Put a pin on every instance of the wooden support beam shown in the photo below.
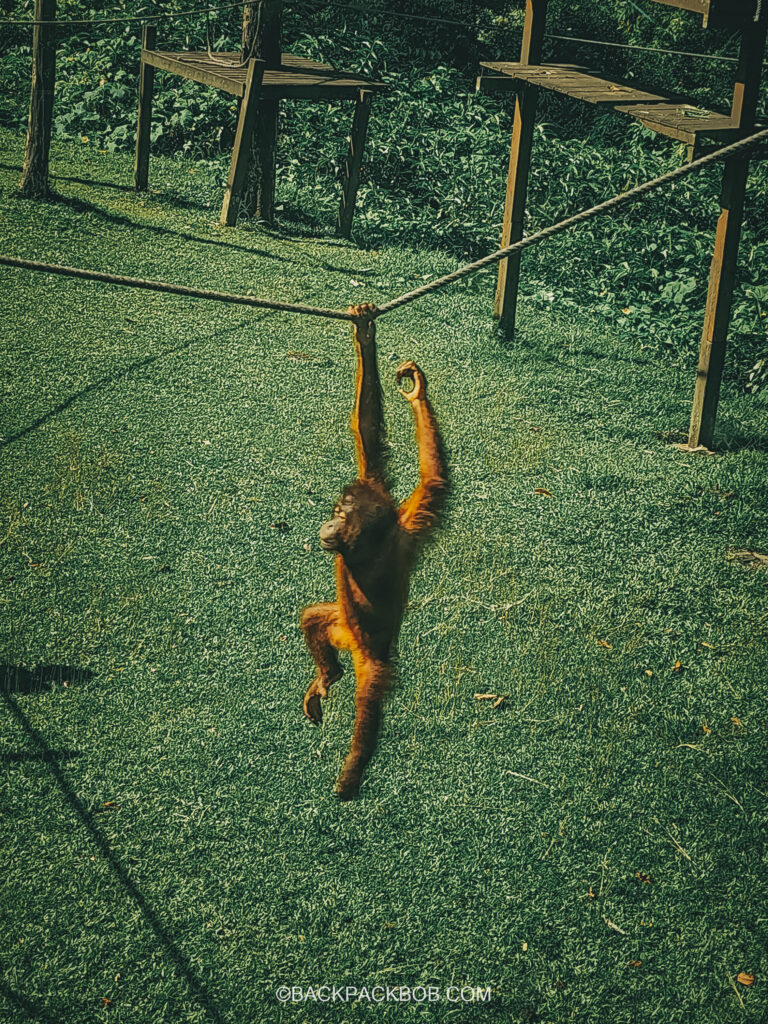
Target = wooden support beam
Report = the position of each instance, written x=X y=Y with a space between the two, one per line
x=722 y=272
x=519 y=167
x=353 y=163
x=144 y=120
x=241 y=151
x=34 y=175
x=262 y=36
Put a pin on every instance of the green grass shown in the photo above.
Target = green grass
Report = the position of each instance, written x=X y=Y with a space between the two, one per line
x=170 y=838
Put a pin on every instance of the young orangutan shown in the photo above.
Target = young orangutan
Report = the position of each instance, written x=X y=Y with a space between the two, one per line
x=376 y=543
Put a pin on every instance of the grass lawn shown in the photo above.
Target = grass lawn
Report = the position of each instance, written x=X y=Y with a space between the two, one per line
x=171 y=849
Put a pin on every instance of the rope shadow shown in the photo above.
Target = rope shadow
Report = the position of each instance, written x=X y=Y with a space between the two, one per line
x=163 y=936
x=112 y=378
x=31 y=1008
x=83 y=206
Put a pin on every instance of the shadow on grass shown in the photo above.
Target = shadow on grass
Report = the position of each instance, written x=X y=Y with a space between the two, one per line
x=163 y=936
x=83 y=206
x=15 y=679
x=739 y=442
x=112 y=378
x=30 y=1008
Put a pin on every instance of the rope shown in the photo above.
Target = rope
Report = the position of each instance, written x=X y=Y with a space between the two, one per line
x=173 y=289
x=578 y=218
x=441 y=282
x=146 y=17
x=648 y=49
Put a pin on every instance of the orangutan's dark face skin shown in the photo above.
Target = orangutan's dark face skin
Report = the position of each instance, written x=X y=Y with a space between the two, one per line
x=360 y=523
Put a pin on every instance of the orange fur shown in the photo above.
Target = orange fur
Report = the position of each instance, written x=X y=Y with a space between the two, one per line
x=376 y=544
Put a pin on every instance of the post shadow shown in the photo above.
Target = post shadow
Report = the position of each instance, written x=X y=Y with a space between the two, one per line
x=163 y=936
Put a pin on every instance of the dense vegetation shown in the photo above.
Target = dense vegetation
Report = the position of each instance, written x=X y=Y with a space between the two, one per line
x=437 y=151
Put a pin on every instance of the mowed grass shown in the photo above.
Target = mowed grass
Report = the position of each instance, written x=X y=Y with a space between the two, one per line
x=172 y=850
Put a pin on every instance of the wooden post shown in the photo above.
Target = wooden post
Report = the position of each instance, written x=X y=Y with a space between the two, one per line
x=353 y=163
x=519 y=166
x=722 y=273
x=144 y=121
x=241 y=150
x=34 y=175
x=262 y=35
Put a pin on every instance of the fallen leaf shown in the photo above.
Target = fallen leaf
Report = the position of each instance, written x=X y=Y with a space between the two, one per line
x=486 y=696
x=542 y=491
x=648 y=672
x=735 y=719
x=591 y=893
x=703 y=643
x=677 y=667
x=499 y=700
x=635 y=963
x=745 y=979
x=706 y=729
x=605 y=644
x=643 y=878
x=525 y=947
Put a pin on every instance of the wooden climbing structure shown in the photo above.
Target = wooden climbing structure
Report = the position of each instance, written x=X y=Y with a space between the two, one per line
x=670 y=115
x=258 y=84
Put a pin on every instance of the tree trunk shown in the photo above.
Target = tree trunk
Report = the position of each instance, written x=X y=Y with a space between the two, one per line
x=262 y=31
x=34 y=176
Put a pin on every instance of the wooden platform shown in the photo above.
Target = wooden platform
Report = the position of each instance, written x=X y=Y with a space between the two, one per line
x=728 y=13
x=667 y=115
x=297 y=78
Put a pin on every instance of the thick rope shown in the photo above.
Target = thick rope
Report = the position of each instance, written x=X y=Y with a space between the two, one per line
x=555 y=229
x=173 y=289
x=441 y=282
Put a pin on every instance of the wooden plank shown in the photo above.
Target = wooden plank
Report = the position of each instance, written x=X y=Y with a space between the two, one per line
x=34 y=175
x=297 y=78
x=718 y=12
x=218 y=79
x=667 y=115
x=241 y=151
x=505 y=305
x=144 y=119
x=353 y=163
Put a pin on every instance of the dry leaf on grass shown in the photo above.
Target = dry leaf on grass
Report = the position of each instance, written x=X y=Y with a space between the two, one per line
x=605 y=644
x=745 y=979
x=543 y=492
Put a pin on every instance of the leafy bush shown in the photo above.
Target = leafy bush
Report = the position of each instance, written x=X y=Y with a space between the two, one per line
x=437 y=151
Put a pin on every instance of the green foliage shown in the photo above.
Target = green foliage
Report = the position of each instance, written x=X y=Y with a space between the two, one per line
x=437 y=152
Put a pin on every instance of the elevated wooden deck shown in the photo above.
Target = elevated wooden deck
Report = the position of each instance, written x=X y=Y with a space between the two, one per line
x=665 y=114
x=297 y=78
x=723 y=13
